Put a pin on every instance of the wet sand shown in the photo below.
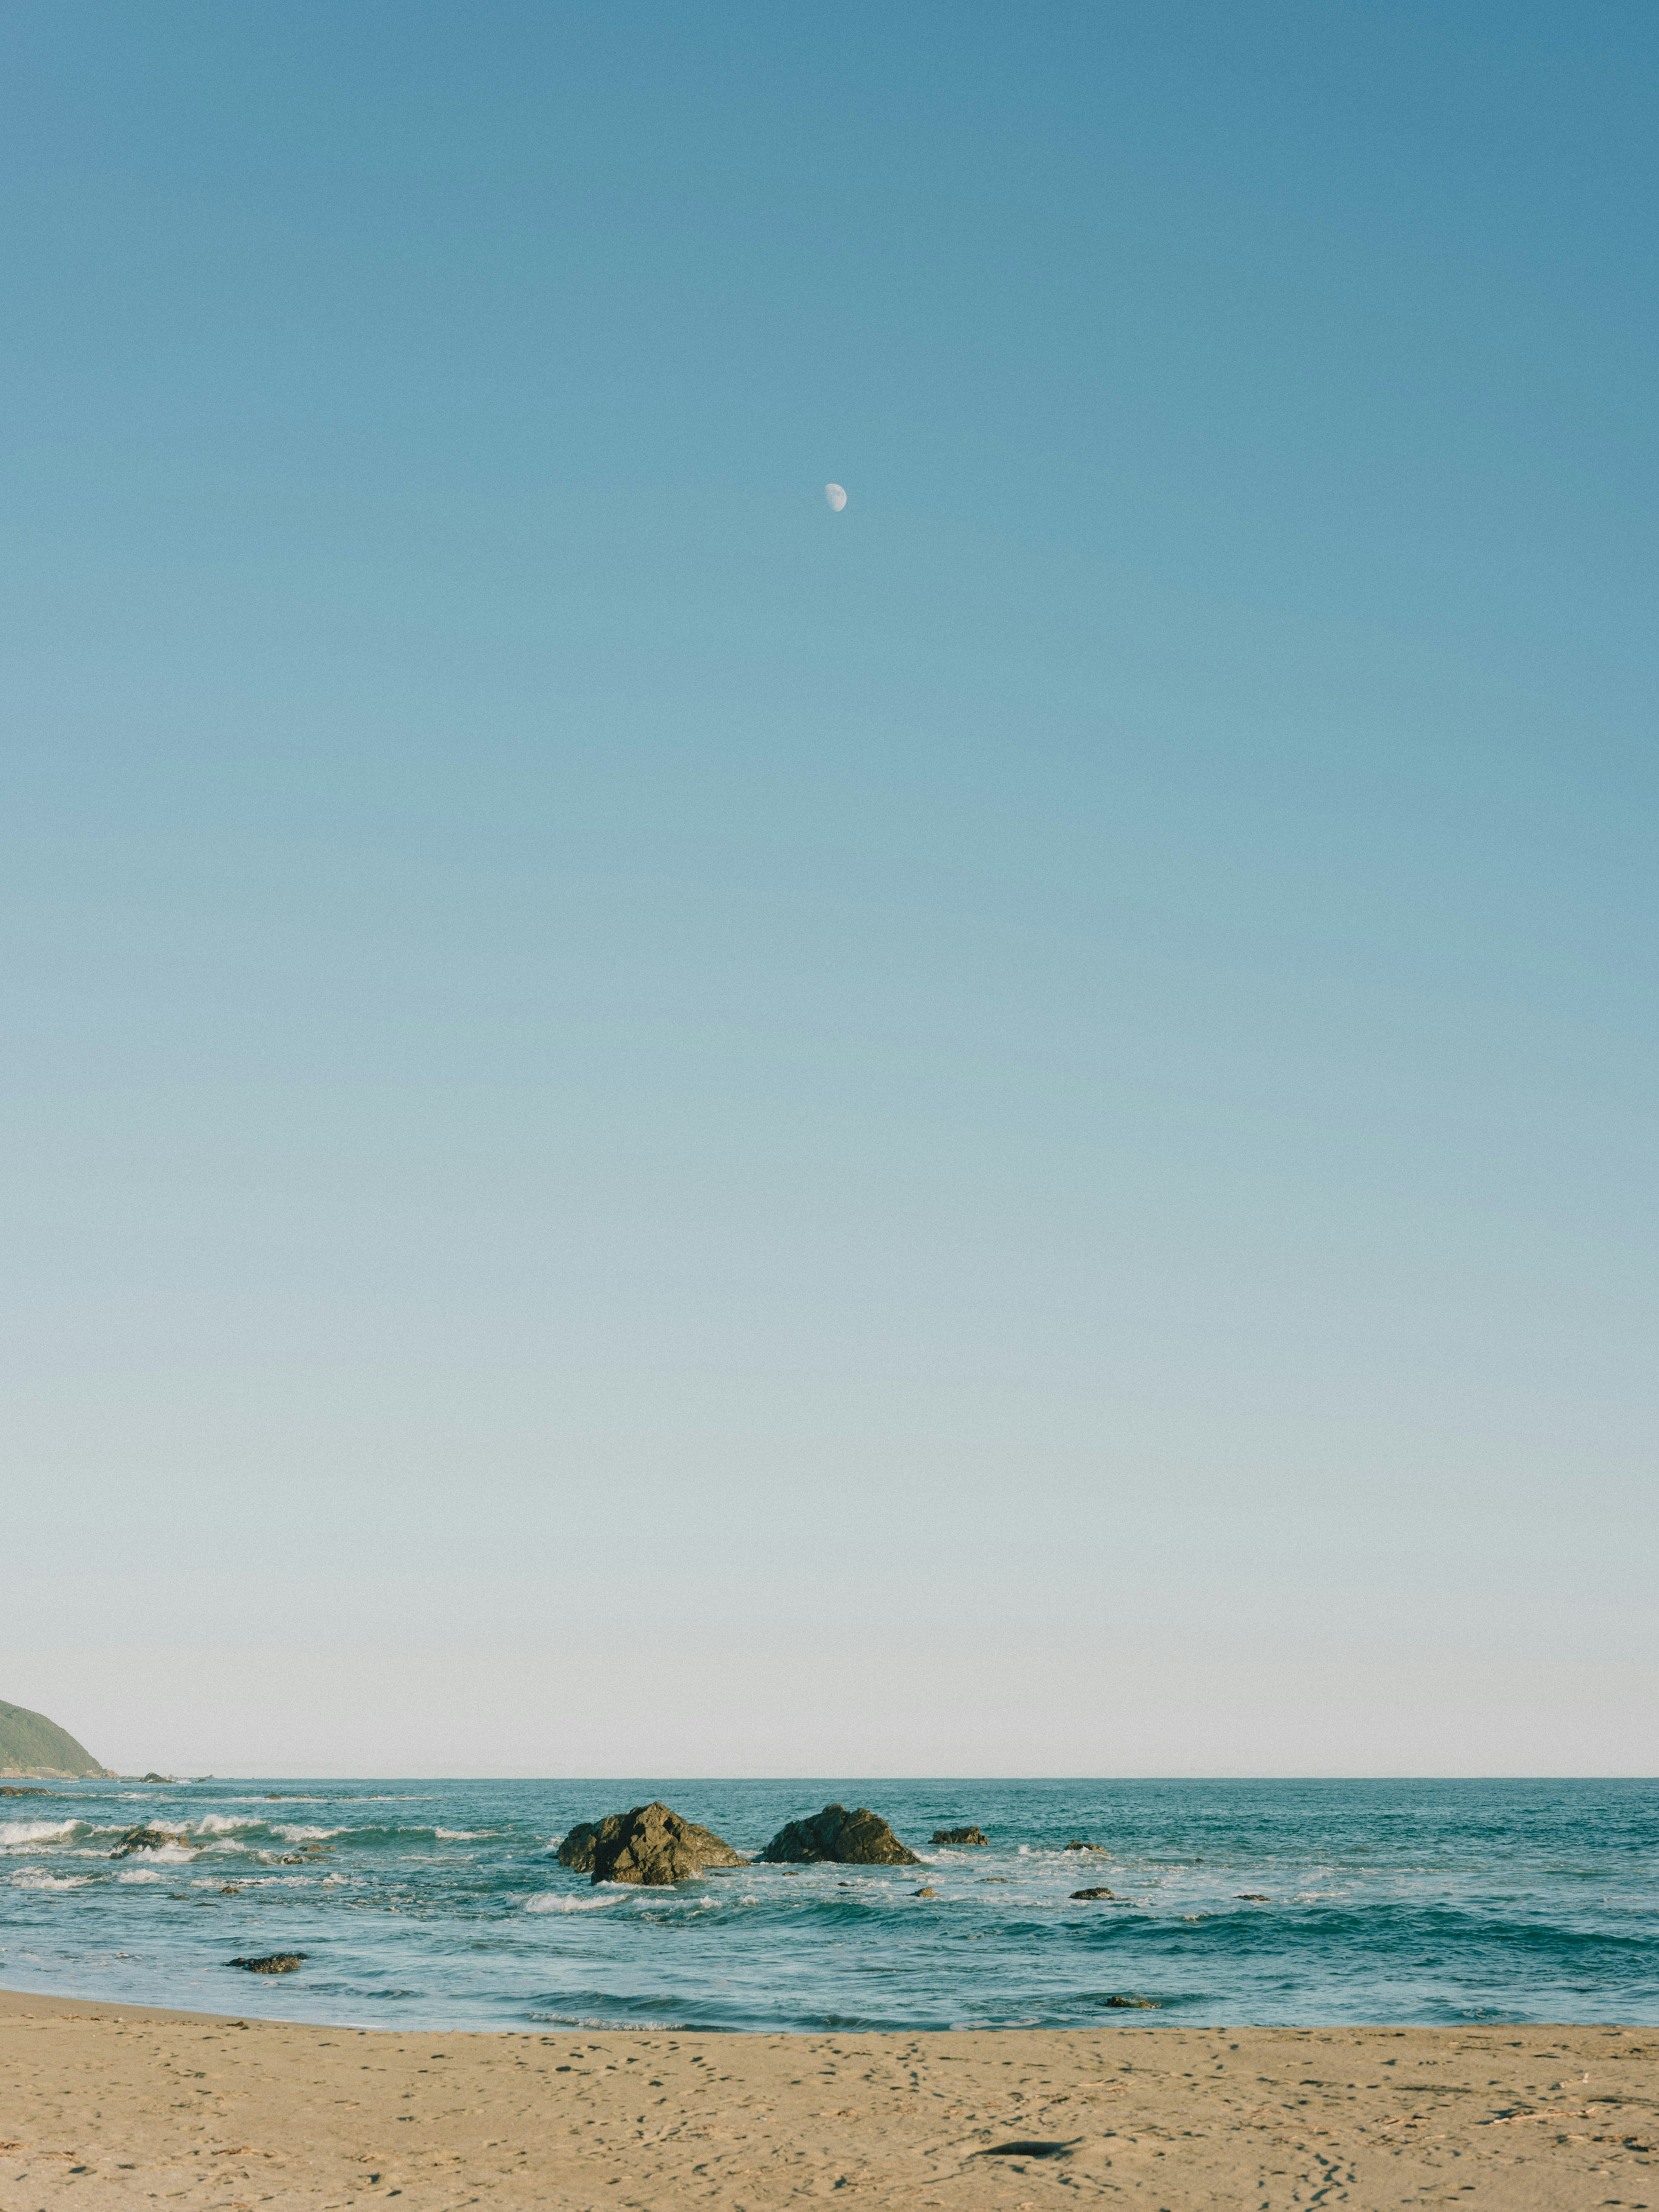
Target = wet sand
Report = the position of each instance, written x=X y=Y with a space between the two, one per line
x=110 y=2104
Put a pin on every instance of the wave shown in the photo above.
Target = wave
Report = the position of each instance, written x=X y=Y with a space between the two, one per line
x=16 y=1834
x=549 y=1901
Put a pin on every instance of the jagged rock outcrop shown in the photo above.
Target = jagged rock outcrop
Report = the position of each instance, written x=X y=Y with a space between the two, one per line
x=841 y=1838
x=147 y=1839
x=960 y=1836
x=1087 y=1894
x=273 y=1962
x=31 y=1745
x=651 y=1844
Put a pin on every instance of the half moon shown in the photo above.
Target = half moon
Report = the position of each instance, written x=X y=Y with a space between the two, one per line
x=837 y=498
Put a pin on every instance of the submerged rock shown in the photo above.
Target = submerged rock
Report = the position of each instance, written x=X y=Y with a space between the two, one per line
x=960 y=1836
x=273 y=1962
x=148 y=1839
x=651 y=1845
x=1086 y=1893
x=1085 y=1847
x=1134 y=2004
x=925 y=1892
x=843 y=1838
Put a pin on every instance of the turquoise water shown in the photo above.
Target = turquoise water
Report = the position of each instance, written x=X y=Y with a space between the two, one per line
x=439 y=1904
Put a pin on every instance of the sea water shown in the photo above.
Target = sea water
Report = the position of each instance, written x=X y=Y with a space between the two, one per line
x=442 y=1905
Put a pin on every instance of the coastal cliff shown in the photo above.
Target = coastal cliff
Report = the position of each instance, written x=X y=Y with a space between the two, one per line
x=32 y=1745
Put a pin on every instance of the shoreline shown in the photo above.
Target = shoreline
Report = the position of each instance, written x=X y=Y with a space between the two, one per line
x=121 y=2105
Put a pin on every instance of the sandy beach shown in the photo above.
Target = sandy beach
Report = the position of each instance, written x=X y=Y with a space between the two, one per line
x=108 y=2104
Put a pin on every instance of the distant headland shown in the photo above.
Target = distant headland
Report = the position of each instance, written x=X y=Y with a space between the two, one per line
x=32 y=1745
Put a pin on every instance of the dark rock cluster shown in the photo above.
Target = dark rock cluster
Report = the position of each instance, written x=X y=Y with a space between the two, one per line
x=960 y=1836
x=273 y=1962
x=147 y=1839
x=841 y=1838
x=650 y=1845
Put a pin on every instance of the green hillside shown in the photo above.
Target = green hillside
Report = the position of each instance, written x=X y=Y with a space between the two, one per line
x=31 y=1744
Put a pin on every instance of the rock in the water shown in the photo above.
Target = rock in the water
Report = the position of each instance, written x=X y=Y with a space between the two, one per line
x=7 y=1790
x=273 y=1962
x=1133 y=2004
x=158 y=1778
x=651 y=1845
x=1085 y=1847
x=960 y=1836
x=925 y=1891
x=147 y=1839
x=857 y=1839
x=576 y=1852
x=1090 y=1893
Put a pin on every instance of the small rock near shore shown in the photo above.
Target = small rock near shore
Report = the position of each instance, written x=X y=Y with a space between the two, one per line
x=1085 y=1847
x=283 y=1962
x=1090 y=1893
x=925 y=1891
x=860 y=1837
x=960 y=1836
x=649 y=1844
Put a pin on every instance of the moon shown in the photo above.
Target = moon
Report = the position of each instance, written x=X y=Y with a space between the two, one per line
x=837 y=498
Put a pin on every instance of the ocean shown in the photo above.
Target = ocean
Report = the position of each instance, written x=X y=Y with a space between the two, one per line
x=429 y=1905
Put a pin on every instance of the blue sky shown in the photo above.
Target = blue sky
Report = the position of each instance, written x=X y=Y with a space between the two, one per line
x=648 y=1129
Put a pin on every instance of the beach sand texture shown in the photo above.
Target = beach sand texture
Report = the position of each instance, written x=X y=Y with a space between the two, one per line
x=106 y=2105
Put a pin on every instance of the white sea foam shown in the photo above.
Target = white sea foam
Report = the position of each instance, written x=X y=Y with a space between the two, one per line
x=138 y=1874
x=551 y=1903
x=461 y=1835
x=298 y=1834
x=50 y=1881
x=16 y=1833
x=217 y=1824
